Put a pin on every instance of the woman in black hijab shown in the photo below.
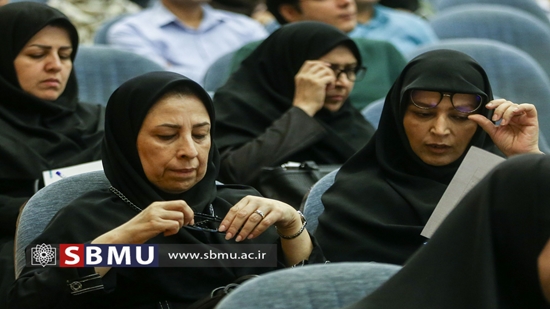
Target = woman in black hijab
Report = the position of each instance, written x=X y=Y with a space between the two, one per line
x=286 y=103
x=383 y=196
x=492 y=251
x=42 y=124
x=161 y=162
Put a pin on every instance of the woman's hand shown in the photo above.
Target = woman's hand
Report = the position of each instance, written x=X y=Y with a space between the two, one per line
x=311 y=84
x=252 y=215
x=518 y=131
x=165 y=217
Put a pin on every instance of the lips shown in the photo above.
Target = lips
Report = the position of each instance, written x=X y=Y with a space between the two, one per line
x=51 y=82
x=439 y=148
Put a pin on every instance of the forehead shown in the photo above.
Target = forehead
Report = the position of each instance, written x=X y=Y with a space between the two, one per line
x=178 y=108
x=49 y=35
x=341 y=54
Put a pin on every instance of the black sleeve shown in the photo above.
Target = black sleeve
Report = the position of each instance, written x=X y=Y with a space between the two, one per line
x=291 y=133
x=315 y=257
x=9 y=210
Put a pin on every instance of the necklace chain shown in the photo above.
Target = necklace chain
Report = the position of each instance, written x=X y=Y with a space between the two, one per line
x=124 y=198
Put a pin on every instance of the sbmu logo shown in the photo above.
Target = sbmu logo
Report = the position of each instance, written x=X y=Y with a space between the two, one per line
x=94 y=255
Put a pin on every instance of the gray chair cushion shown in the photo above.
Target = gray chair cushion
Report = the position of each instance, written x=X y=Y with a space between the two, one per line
x=43 y=205
x=320 y=286
x=102 y=69
x=313 y=206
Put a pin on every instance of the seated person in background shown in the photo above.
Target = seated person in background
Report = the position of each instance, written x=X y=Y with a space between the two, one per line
x=492 y=251
x=88 y=16
x=383 y=60
x=43 y=126
x=291 y=104
x=162 y=165
x=383 y=196
x=184 y=36
x=404 y=30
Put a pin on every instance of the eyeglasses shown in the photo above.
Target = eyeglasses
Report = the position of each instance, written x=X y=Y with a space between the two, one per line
x=352 y=73
x=462 y=102
x=205 y=223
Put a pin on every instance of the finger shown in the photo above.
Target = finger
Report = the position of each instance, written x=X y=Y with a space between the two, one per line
x=240 y=220
x=500 y=109
x=484 y=123
x=254 y=219
x=171 y=227
x=235 y=217
x=512 y=111
x=263 y=225
x=182 y=207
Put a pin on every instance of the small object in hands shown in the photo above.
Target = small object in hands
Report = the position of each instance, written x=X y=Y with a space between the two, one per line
x=206 y=223
x=261 y=213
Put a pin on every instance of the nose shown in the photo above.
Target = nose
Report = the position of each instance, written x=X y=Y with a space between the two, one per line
x=53 y=63
x=440 y=125
x=186 y=147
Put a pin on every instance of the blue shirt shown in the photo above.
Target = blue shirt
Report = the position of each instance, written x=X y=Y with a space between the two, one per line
x=157 y=34
x=406 y=31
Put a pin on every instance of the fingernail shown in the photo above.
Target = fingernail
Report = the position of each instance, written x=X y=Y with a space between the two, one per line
x=495 y=117
x=228 y=236
x=239 y=238
x=250 y=236
x=222 y=228
x=489 y=104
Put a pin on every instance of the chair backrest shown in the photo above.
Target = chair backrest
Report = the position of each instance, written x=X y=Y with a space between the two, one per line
x=496 y=22
x=514 y=75
x=373 y=111
x=100 y=36
x=43 y=205
x=218 y=73
x=529 y=6
x=313 y=206
x=320 y=286
x=102 y=69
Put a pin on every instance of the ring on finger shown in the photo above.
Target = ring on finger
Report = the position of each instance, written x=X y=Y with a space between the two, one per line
x=261 y=213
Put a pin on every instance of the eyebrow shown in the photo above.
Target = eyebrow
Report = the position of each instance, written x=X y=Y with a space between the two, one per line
x=177 y=126
x=49 y=47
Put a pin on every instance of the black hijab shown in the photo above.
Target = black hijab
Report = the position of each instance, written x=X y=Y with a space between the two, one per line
x=125 y=113
x=484 y=255
x=262 y=90
x=383 y=195
x=100 y=211
x=37 y=134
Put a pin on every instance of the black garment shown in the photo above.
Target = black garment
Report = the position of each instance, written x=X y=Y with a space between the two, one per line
x=35 y=134
x=484 y=255
x=383 y=196
x=101 y=211
x=257 y=124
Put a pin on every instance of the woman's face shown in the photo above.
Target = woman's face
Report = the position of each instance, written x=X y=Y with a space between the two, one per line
x=337 y=92
x=44 y=64
x=173 y=143
x=440 y=135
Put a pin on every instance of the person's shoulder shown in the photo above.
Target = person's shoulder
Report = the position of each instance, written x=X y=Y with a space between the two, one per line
x=238 y=19
x=372 y=44
x=402 y=16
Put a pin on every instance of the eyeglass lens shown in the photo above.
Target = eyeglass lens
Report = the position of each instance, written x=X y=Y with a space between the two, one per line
x=462 y=102
x=353 y=73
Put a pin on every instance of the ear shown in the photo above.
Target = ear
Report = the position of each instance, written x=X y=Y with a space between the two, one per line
x=290 y=13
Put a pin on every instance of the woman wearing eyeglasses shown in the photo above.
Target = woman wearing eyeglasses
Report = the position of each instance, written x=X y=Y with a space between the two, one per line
x=440 y=106
x=288 y=101
x=161 y=162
